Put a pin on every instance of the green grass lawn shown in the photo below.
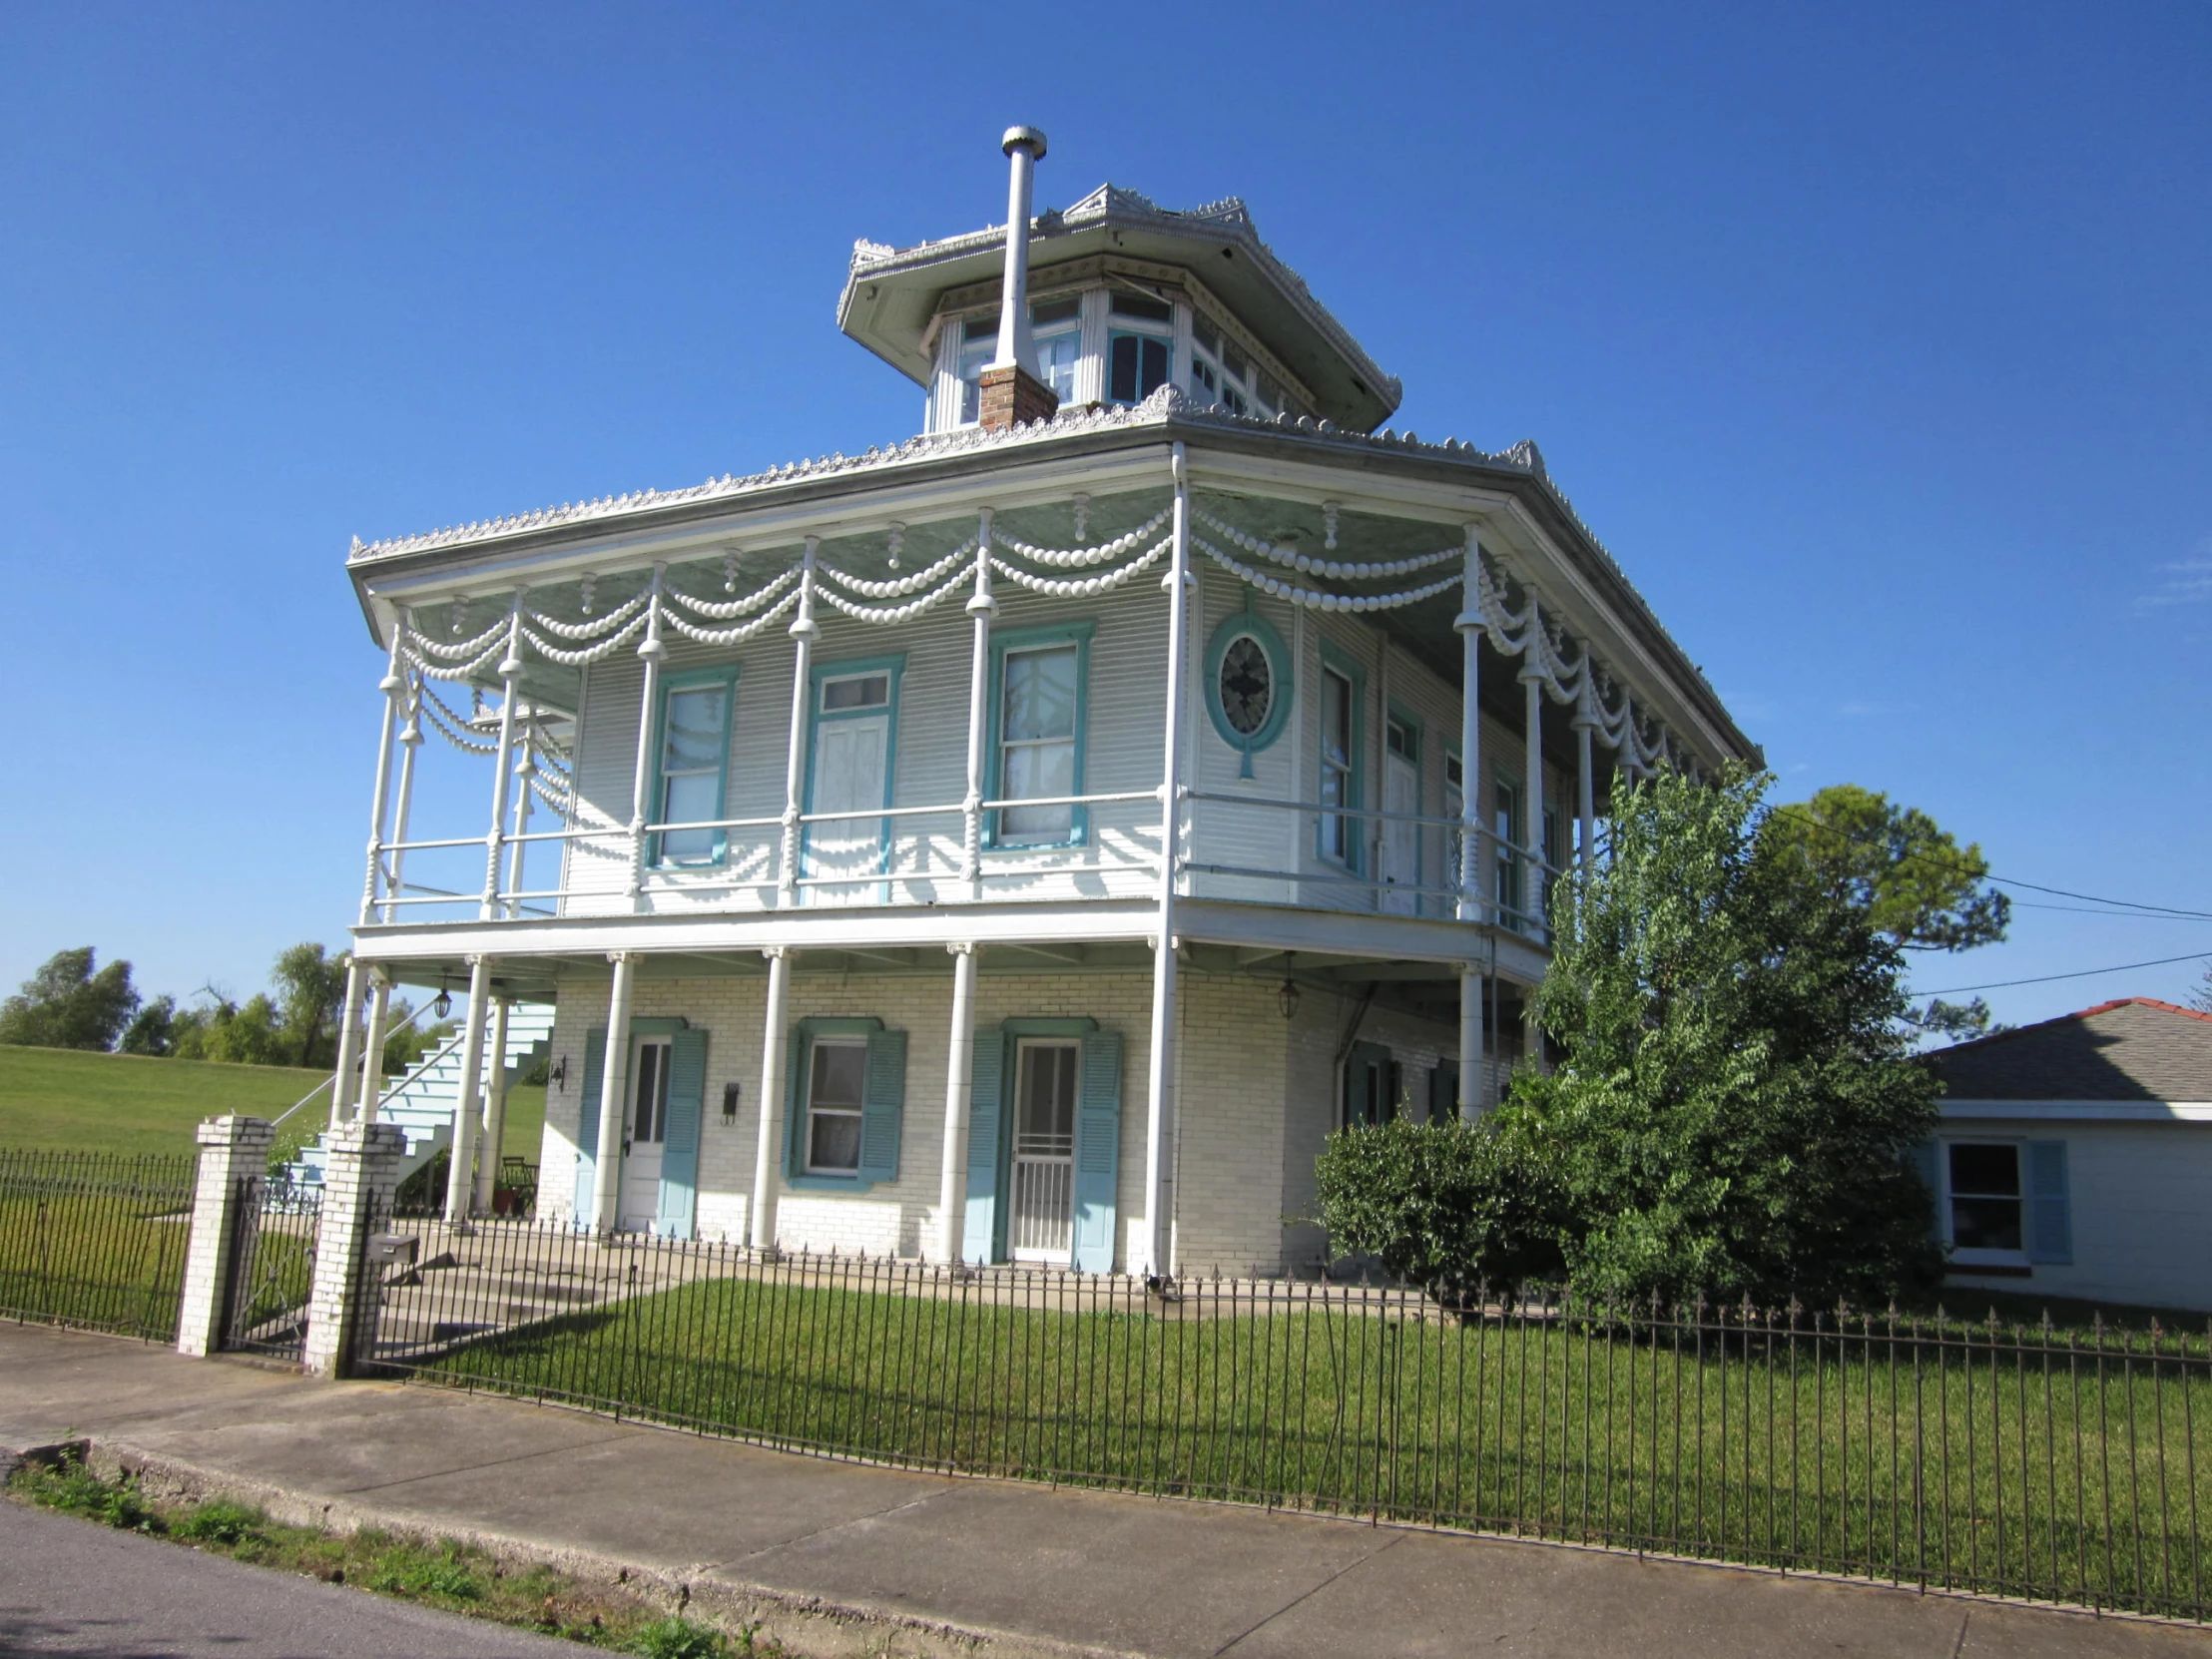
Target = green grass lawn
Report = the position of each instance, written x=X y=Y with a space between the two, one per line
x=57 y=1098
x=2065 y=1473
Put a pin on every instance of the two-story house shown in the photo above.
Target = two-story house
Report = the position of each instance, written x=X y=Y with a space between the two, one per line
x=1028 y=840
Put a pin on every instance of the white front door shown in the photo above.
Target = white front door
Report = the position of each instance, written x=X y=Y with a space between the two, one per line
x=1041 y=1223
x=1400 y=842
x=645 y=1128
x=853 y=742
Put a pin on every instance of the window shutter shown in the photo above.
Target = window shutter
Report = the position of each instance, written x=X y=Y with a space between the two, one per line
x=882 y=1103
x=979 y=1231
x=1924 y=1161
x=583 y=1212
x=1367 y=1084
x=1097 y=1152
x=797 y=1059
x=678 y=1212
x=2051 y=1205
x=1444 y=1092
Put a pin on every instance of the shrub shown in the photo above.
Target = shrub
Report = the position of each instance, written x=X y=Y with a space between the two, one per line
x=220 y=1520
x=1452 y=1207
x=680 y=1638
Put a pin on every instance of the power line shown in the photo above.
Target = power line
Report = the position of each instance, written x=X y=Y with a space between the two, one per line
x=2083 y=973
x=2094 y=910
x=1985 y=875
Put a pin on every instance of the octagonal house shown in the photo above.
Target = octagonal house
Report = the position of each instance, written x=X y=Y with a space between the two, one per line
x=1027 y=842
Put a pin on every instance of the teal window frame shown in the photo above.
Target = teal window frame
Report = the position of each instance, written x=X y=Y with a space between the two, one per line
x=1249 y=623
x=1009 y=1034
x=1343 y=664
x=799 y=1106
x=1077 y=634
x=819 y=675
x=694 y=680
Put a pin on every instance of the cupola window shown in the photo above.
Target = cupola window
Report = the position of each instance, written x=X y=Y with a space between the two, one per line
x=978 y=345
x=1139 y=343
x=1056 y=326
x=1220 y=373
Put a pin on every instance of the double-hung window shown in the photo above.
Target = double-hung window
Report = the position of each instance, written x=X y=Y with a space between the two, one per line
x=1339 y=722
x=1220 y=372
x=837 y=1088
x=1505 y=809
x=978 y=345
x=1140 y=341
x=693 y=761
x=1985 y=1199
x=1040 y=710
x=1056 y=326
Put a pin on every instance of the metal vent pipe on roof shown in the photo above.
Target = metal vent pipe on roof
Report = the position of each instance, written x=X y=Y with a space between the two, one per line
x=1024 y=147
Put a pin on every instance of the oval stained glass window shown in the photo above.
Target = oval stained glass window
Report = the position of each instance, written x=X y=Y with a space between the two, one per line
x=1247 y=685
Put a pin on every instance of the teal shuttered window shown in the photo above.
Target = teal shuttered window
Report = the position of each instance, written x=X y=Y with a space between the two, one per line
x=1097 y=1154
x=843 y=1118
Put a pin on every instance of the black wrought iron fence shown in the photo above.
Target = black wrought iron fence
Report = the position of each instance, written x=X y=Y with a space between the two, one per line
x=275 y=1226
x=95 y=1241
x=2054 y=1463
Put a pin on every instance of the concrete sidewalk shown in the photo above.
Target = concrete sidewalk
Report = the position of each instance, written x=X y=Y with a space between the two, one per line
x=841 y=1559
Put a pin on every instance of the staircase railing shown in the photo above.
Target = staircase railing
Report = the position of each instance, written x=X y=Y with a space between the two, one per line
x=316 y=1092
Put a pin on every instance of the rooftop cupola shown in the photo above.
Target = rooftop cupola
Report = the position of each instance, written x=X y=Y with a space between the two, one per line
x=1105 y=303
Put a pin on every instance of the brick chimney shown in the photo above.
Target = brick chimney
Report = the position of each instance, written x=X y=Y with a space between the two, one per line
x=1009 y=388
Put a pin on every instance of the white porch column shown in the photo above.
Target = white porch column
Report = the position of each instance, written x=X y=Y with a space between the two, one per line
x=1471 y=1102
x=614 y=1099
x=346 y=1077
x=1585 y=784
x=1533 y=792
x=959 y=1085
x=805 y=629
x=981 y=607
x=372 y=1045
x=651 y=652
x=391 y=686
x=518 y=848
x=460 y=1179
x=495 y=1110
x=410 y=739
x=1160 y=1080
x=773 y=1062
x=1470 y=624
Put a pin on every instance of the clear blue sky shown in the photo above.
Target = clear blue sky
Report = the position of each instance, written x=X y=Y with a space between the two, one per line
x=1873 y=340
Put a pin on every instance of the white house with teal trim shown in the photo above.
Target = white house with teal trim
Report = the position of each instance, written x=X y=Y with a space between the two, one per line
x=1024 y=842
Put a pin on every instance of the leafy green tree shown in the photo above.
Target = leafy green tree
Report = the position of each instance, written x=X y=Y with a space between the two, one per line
x=1736 y=1097
x=1917 y=887
x=248 y=1034
x=154 y=1031
x=66 y=1004
x=309 y=987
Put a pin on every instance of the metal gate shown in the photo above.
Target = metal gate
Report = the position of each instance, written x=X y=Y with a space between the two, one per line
x=272 y=1245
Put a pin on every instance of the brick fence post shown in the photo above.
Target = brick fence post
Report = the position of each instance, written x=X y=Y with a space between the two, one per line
x=359 y=1178
x=231 y=1149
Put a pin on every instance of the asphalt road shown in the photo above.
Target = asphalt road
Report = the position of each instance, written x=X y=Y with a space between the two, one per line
x=72 y=1586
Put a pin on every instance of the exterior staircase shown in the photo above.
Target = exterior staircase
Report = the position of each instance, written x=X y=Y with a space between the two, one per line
x=421 y=1102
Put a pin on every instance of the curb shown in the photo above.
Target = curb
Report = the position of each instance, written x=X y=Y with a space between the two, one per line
x=815 y=1627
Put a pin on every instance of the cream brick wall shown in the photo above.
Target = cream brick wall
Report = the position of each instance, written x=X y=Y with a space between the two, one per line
x=2142 y=1229
x=1257 y=1097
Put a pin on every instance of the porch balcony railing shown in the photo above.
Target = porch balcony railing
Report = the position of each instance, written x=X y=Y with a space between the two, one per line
x=1214 y=857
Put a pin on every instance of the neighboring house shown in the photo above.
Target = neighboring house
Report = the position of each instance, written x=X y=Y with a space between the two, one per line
x=2077 y=1154
x=827 y=805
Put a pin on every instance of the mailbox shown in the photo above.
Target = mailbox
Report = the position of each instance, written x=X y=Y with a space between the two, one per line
x=384 y=1248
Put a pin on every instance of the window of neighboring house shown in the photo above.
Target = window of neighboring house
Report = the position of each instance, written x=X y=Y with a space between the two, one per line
x=1985 y=1212
x=1040 y=696
x=1138 y=355
x=1340 y=716
x=695 y=752
x=1506 y=820
x=836 y=1085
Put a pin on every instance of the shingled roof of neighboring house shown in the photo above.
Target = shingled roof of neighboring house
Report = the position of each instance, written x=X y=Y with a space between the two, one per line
x=2136 y=1048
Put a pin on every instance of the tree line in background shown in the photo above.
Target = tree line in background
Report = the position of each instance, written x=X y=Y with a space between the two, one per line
x=71 y=1004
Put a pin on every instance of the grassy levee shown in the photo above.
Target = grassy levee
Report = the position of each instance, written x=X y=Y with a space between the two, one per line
x=1982 y=1460
x=95 y=1242
x=67 y=1099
